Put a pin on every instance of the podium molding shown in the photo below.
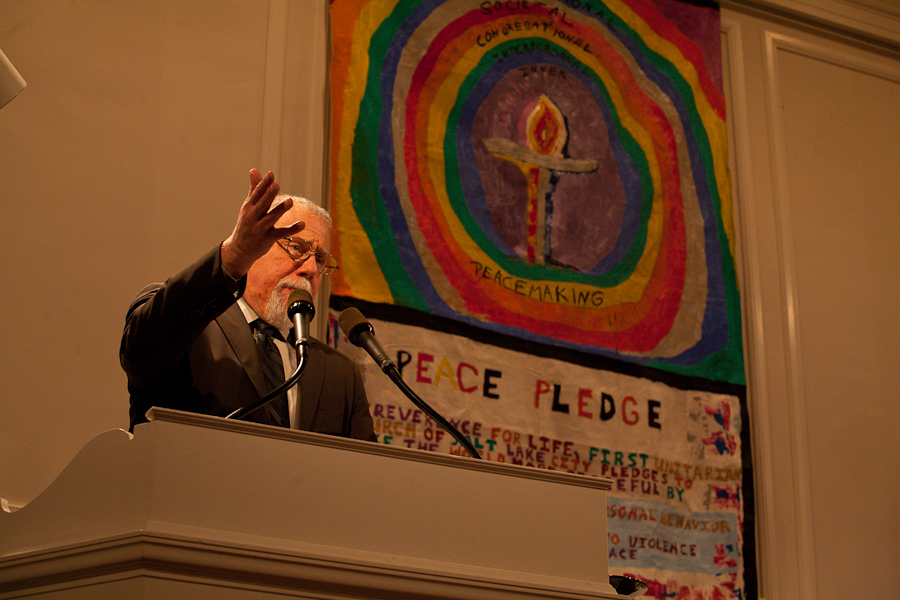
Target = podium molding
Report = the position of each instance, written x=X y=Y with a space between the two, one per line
x=186 y=507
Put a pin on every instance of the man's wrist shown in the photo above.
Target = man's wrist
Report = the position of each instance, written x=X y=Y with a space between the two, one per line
x=229 y=270
x=233 y=266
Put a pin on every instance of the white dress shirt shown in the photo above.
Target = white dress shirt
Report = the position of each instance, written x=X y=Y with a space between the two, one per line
x=288 y=361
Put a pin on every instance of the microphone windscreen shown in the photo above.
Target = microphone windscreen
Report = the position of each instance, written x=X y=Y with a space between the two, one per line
x=301 y=300
x=351 y=321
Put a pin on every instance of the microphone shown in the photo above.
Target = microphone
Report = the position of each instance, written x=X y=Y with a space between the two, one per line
x=361 y=333
x=301 y=311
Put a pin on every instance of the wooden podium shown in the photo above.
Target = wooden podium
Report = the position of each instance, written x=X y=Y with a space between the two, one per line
x=199 y=507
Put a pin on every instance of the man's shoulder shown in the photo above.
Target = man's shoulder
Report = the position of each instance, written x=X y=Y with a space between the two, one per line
x=142 y=296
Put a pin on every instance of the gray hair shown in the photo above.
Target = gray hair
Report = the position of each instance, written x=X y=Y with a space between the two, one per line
x=306 y=204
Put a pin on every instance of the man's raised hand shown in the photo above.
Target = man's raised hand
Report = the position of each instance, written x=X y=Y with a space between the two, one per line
x=256 y=229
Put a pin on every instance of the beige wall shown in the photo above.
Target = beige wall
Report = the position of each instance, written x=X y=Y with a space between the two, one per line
x=816 y=136
x=127 y=155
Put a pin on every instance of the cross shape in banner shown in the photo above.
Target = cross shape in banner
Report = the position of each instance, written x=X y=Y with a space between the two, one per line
x=541 y=160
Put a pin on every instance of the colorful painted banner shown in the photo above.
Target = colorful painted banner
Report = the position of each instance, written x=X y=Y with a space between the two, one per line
x=550 y=179
x=675 y=510
x=554 y=170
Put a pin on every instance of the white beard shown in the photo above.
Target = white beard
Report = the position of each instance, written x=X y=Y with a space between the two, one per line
x=275 y=313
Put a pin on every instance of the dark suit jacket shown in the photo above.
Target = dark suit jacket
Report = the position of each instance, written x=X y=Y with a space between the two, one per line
x=188 y=346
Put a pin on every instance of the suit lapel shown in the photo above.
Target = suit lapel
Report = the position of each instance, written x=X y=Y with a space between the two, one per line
x=311 y=385
x=237 y=331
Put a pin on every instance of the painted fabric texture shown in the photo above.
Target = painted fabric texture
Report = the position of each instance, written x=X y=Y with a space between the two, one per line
x=532 y=203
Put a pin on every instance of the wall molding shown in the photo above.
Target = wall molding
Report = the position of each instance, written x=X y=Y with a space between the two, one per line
x=750 y=277
x=875 y=22
x=776 y=42
x=273 y=94
x=796 y=397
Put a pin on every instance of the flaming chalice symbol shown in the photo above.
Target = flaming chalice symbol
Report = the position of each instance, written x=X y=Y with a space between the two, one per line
x=542 y=161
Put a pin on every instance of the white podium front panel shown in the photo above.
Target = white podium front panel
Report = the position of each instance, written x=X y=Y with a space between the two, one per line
x=204 y=505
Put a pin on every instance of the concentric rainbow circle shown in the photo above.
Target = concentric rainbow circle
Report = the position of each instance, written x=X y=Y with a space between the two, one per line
x=407 y=78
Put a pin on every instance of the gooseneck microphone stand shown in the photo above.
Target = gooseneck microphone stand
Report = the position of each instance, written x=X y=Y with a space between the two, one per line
x=295 y=376
x=394 y=374
x=300 y=311
x=361 y=333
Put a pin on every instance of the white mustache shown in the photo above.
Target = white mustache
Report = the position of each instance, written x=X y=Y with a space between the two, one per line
x=293 y=282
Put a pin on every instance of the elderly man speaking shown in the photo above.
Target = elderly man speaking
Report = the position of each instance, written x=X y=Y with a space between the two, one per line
x=209 y=339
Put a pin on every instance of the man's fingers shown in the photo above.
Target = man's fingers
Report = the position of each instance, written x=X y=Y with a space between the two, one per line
x=283 y=207
x=268 y=214
x=290 y=230
x=255 y=178
x=263 y=190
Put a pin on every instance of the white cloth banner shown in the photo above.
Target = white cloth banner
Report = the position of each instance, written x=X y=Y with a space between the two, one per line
x=675 y=508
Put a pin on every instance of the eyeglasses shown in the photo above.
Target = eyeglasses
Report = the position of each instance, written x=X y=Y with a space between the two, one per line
x=300 y=250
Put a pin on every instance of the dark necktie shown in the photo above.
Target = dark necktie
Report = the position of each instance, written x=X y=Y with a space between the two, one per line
x=273 y=370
